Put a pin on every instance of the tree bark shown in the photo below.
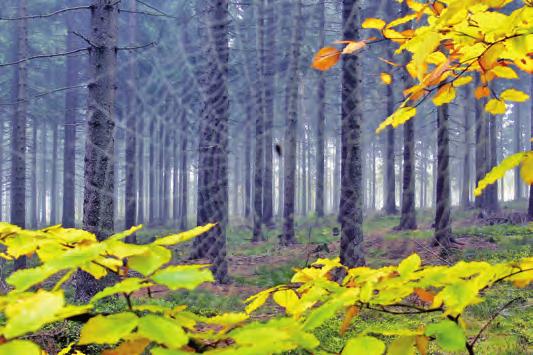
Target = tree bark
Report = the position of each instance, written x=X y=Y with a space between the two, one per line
x=465 y=191
x=259 y=172
x=98 y=204
x=53 y=180
x=492 y=190
x=517 y=148
x=213 y=146
x=351 y=199
x=18 y=128
x=321 y=116
x=130 y=198
x=443 y=229
x=530 y=206
x=390 y=175
x=289 y=164
x=184 y=171
x=69 y=141
x=269 y=59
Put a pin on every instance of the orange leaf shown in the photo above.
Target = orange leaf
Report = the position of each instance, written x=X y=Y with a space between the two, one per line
x=388 y=62
x=326 y=58
x=422 y=343
x=351 y=312
x=481 y=91
x=424 y=295
x=131 y=347
x=489 y=59
x=435 y=76
x=437 y=7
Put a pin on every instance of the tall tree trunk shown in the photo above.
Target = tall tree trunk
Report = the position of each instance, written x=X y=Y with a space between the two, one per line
x=259 y=171
x=69 y=141
x=465 y=190
x=321 y=116
x=269 y=58
x=213 y=147
x=530 y=207
x=130 y=198
x=390 y=176
x=492 y=190
x=443 y=229
x=152 y=171
x=53 y=180
x=43 y=182
x=98 y=204
x=351 y=199
x=184 y=171
x=248 y=167
x=481 y=153
x=34 y=209
x=517 y=148
x=18 y=128
x=289 y=164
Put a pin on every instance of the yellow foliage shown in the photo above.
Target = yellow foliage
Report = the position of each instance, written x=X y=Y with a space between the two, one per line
x=386 y=78
x=499 y=171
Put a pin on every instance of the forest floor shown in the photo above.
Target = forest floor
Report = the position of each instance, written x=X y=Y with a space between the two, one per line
x=256 y=266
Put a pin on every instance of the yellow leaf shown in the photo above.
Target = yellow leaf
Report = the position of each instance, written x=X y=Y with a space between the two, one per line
x=504 y=72
x=400 y=116
x=422 y=344
x=326 y=58
x=401 y=20
x=386 y=78
x=496 y=107
x=445 y=95
x=489 y=59
x=353 y=47
x=498 y=171
x=514 y=95
x=462 y=80
x=526 y=171
x=375 y=23
x=131 y=347
x=287 y=299
x=185 y=236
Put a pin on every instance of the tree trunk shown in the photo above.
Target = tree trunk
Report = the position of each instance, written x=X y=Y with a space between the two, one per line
x=152 y=173
x=492 y=190
x=213 y=146
x=465 y=191
x=53 y=181
x=481 y=154
x=443 y=229
x=69 y=141
x=289 y=164
x=184 y=171
x=98 y=204
x=530 y=207
x=517 y=148
x=321 y=116
x=268 y=60
x=248 y=167
x=351 y=199
x=34 y=209
x=43 y=182
x=18 y=128
x=130 y=198
x=259 y=171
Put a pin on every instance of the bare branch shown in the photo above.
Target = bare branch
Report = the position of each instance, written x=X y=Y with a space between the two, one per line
x=83 y=85
x=84 y=38
x=45 y=15
x=147 y=13
x=154 y=8
x=43 y=56
x=136 y=47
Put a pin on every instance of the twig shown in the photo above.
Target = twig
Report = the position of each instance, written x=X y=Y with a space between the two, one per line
x=45 y=15
x=42 y=56
x=136 y=47
x=44 y=94
x=152 y=8
x=84 y=38
x=471 y=345
x=147 y=13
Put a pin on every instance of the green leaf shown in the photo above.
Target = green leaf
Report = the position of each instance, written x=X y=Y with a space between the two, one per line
x=22 y=280
x=163 y=331
x=25 y=347
x=126 y=286
x=409 y=265
x=149 y=261
x=458 y=296
x=450 y=336
x=185 y=236
x=403 y=345
x=364 y=345
x=30 y=313
x=108 y=329
x=183 y=276
x=163 y=351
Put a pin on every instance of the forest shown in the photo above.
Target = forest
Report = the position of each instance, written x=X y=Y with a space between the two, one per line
x=266 y=177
